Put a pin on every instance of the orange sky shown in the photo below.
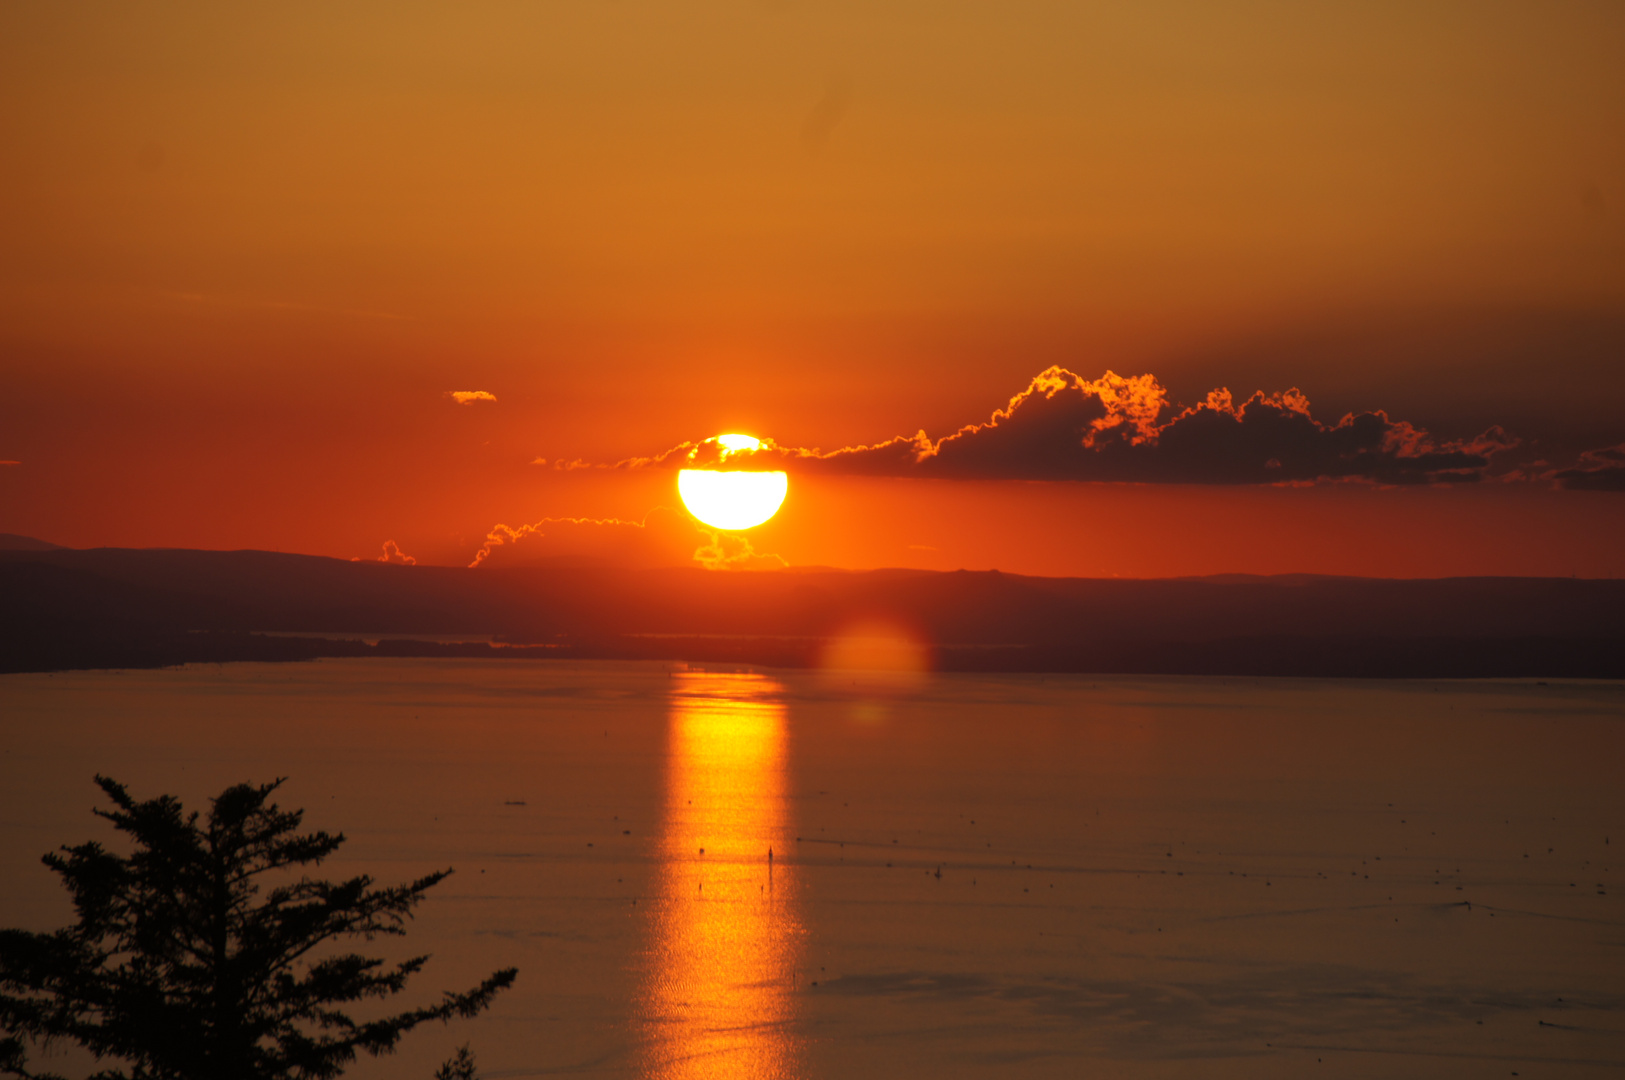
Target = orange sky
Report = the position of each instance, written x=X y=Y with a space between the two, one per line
x=244 y=254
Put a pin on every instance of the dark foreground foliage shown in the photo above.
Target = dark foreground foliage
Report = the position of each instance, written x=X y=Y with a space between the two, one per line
x=460 y=1067
x=188 y=963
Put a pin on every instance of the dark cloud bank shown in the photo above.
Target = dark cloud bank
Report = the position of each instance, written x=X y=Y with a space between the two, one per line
x=1598 y=470
x=1124 y=429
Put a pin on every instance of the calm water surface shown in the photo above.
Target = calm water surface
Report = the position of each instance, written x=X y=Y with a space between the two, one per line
x=778 y=874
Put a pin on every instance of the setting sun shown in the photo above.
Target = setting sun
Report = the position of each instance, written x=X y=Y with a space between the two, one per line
x=732 y=499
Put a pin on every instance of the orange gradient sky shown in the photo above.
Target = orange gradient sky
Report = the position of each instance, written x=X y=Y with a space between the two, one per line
x=247 y=253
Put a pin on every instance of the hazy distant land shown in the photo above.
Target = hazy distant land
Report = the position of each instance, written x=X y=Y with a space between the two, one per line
x=110 y=607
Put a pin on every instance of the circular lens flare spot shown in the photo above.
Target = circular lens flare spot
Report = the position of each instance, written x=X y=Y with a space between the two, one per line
x=875 y=657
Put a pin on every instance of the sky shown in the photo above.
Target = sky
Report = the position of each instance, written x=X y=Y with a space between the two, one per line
x=248 y=256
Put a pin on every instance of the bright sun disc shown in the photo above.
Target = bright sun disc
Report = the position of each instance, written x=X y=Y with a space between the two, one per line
x=732 y=499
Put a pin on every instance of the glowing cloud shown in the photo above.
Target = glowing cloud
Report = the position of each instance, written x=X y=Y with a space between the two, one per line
x=394 y=554
x=1124 y=429
x=726 y=551
x=665 y=537
x=469 y=397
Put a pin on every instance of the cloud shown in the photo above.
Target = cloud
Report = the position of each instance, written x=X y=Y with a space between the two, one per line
x=1602 y=469
x=469 y=397
x=392 y=554
x=665 y=537
x=560 y=465
x=730 y=551
x=10 y=463
x=1124 y=429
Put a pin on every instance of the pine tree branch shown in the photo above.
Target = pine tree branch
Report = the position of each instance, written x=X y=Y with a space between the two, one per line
x=183 y=966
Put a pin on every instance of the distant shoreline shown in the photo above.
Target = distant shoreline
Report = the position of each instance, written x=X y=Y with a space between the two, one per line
x=118 y=608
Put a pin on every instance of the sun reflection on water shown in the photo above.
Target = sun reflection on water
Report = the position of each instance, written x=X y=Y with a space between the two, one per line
x=726 y=931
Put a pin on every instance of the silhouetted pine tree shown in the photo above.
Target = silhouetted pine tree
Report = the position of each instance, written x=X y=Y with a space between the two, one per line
x=187 y=964
x=460 y=1067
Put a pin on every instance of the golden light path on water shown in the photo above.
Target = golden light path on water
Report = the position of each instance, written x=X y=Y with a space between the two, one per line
x=726 y=932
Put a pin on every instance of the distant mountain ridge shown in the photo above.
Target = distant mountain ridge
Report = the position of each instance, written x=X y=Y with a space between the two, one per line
x=13 y=542
x=64 y=608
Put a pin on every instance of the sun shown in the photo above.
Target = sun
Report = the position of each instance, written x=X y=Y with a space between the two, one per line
x=732 y=499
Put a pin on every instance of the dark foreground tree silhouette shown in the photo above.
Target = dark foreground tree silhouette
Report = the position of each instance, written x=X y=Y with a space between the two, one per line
x=190 y=963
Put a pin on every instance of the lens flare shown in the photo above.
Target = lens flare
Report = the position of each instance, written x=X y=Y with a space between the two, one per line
x=876 y=657
x=732 y=499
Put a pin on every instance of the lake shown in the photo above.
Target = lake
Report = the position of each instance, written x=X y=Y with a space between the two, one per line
x=970 y=875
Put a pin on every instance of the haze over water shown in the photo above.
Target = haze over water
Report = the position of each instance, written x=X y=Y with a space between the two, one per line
x=974 y=876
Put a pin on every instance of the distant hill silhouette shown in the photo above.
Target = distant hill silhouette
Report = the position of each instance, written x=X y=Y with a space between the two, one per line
x=119 y=607
x=13 y=542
